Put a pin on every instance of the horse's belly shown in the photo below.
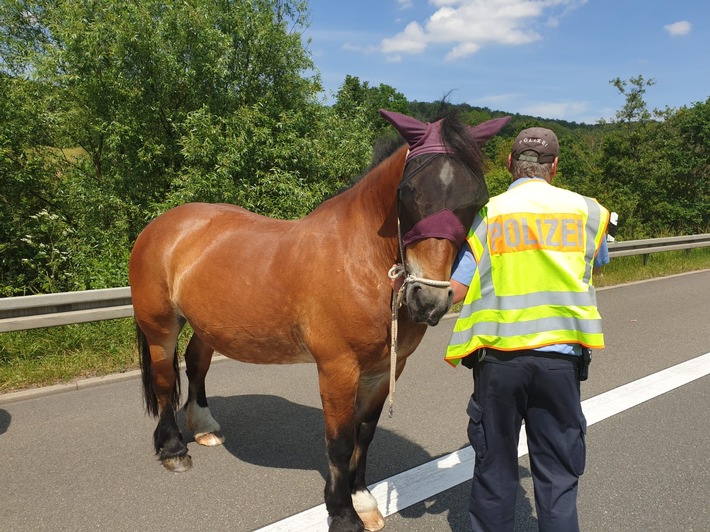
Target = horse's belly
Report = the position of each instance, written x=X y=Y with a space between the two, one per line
x=255 y=345
x=266 y=356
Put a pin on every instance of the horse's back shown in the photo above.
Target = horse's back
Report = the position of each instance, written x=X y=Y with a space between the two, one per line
x=203 y=218
x=242 y=280
x=197 y=227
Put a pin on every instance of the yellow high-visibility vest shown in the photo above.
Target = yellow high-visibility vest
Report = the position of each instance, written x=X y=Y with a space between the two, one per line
x=534 y=247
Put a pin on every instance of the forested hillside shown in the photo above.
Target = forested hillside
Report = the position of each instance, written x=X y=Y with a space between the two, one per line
x=111 y=112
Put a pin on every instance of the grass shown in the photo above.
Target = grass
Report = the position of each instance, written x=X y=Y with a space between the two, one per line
x=627 y=269
x=54 y=355
x=59 y=354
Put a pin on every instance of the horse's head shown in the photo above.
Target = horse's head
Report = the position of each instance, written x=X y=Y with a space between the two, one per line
x=441 y=190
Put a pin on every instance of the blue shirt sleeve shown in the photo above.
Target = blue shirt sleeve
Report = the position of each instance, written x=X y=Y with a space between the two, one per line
x=464 y=265
x=602 y=257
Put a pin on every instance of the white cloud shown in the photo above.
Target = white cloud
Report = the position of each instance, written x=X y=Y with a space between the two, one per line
x=677 y=29
x=462 y=50
x=405 y=4
x=411 y=40
x=465 y=26
x=561 y=110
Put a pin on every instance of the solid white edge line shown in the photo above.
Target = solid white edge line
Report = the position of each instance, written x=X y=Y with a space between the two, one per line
x=424 y=481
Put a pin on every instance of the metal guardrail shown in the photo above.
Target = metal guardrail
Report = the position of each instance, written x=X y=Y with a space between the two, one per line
x=33 y=312
x=653 y=245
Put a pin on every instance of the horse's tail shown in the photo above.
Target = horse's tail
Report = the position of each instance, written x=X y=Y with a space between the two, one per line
x=149 y=395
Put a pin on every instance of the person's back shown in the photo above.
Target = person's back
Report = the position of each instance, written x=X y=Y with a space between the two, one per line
x=528 y=318
x=537 y=243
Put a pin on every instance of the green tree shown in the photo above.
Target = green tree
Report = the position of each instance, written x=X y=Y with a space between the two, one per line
x=280 y=166
x=358 y=99
x=655 y=165
x=29 y=184
x=634 y=109
x=626 y=161
x=681 y=178
x=578 y=169
x=119 y=85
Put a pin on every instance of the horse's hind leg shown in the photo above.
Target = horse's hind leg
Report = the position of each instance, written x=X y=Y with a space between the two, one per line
x=161 y=386
x=199 y=419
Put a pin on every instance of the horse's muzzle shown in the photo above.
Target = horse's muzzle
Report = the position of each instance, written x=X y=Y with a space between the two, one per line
x=428 y=304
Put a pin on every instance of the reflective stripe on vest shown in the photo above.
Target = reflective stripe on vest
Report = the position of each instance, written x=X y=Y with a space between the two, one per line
x=543 y=239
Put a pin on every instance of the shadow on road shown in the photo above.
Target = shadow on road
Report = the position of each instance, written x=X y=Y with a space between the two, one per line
x=5 y=420
x=454 y=502
x=271 y=431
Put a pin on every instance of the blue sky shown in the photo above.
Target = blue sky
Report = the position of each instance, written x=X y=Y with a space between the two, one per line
x=547 y=58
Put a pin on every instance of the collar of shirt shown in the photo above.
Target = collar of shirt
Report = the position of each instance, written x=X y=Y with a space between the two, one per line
x=522 y=180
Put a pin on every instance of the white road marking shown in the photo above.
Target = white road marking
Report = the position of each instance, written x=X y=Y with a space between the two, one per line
x=424 y=481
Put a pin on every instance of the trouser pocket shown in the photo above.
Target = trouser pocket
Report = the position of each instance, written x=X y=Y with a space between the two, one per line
x=579 y=456
x=476 y=433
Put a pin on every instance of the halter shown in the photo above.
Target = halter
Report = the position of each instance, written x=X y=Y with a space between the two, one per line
x=400 y=269
x=398 y=297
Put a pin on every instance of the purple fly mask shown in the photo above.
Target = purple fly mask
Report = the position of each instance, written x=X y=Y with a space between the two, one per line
x=442 y=187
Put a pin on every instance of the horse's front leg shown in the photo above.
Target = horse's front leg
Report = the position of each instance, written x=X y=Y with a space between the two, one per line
x=371 y=398
x=364 y=503
x=338 y=389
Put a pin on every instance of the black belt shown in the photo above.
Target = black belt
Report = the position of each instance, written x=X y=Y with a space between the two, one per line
x=503 y=356
x=481 y=354
x=508 y=355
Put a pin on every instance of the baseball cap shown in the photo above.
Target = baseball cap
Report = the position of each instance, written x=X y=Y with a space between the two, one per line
x=538 y=139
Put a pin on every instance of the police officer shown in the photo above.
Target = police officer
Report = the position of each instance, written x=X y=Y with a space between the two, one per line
x=527 y=327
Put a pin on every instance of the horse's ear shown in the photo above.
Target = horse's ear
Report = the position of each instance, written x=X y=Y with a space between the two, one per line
x=411 y=129
x=486 y=130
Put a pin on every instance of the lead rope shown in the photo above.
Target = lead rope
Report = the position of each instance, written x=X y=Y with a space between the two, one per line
x=393 y=350
x=397 y=299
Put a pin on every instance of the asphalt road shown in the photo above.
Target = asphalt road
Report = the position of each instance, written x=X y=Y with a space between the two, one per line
x=83 y=460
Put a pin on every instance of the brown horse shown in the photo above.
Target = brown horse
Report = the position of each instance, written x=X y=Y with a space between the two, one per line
x=272 y=291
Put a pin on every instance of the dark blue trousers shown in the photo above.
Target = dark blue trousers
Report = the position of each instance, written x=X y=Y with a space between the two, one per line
x=543 y=391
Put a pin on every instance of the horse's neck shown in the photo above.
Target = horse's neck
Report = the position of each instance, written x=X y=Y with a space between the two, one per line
x=377 y=191
x=369 y=208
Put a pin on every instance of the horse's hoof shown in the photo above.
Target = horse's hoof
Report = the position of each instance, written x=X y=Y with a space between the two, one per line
x=178 y=464
x=345 y=523
x=366 y=507
x=210 y=439
x=373 y=520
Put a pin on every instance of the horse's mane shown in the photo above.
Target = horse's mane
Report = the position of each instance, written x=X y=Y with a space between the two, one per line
x=456 y=136
x=383 y=148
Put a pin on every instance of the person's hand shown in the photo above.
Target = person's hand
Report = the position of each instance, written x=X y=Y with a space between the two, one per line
x=460 y=290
